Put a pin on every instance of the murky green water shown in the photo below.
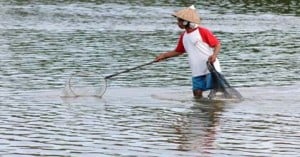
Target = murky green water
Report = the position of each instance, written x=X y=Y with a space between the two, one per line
x=147 y=112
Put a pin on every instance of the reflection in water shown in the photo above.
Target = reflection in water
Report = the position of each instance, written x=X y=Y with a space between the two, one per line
x=135 y=124
x=198 y=128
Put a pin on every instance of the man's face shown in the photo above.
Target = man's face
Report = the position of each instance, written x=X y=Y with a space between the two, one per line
x=180 y=23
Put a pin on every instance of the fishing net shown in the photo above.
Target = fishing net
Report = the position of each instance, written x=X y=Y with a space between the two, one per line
x=221 y=87
x=85 y=84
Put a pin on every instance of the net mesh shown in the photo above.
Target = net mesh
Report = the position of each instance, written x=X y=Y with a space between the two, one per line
x=221 y=87
x=85 y=84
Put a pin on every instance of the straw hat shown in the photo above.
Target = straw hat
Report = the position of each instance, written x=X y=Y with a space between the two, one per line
x=189 y=14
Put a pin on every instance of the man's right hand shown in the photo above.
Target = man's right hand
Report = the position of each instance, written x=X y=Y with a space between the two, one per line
x=160 y=57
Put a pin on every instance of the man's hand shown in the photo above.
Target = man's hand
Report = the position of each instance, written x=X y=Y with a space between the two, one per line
x=212 y=58
x=167 y=55
x=160 y=57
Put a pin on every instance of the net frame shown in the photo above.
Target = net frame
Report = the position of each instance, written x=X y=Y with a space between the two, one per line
x=75 y=90
x=85 y=84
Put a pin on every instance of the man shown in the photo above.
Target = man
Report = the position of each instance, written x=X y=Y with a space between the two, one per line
x=201 y=46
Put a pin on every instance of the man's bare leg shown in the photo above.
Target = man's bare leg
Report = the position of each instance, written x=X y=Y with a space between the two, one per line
x=197 y=94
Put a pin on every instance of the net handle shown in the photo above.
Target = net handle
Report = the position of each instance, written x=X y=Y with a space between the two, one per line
x=127 y=70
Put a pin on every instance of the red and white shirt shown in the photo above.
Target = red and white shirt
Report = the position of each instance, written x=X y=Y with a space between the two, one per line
x=199 y=45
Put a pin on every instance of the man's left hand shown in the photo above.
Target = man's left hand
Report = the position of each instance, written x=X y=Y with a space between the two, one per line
x=212 y=58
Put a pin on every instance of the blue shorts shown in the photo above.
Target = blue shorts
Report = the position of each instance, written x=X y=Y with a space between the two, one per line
x=203 y=82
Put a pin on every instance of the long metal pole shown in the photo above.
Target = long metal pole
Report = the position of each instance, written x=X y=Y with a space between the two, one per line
x=129 y=69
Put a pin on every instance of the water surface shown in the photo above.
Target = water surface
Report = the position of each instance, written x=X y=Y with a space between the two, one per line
x=150 y=111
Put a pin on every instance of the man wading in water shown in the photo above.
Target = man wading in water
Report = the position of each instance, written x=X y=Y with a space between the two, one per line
x=201 y=46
